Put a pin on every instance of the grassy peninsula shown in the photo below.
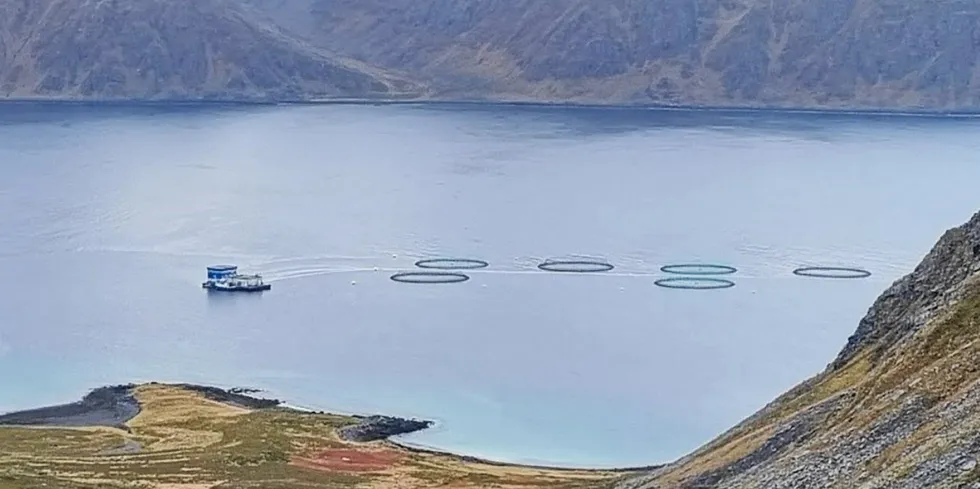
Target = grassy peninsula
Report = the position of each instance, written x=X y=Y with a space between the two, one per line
x=188 y=438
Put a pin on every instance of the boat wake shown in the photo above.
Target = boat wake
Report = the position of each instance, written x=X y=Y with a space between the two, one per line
x=280 y=276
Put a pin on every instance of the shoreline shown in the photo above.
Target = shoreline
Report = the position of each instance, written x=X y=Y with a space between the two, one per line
x=115 y=405
x=496 y=463
x=435 y=102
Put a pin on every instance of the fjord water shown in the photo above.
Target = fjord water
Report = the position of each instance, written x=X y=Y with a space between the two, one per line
x=109 y=215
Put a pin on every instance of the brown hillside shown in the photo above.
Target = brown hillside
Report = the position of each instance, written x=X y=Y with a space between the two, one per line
x=814 y=53
x=899 y=408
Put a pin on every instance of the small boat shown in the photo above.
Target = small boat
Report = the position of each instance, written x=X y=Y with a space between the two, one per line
x=227 y=279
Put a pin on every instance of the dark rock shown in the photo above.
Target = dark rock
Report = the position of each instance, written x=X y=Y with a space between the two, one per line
x=375 y=428
x=106 y=406
x=236 y=397
x=244 y=390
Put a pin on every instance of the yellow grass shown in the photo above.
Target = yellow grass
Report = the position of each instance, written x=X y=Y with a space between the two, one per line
x=189 y=442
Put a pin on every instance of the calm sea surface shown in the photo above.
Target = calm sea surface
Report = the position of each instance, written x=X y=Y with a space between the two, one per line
x=109 y=216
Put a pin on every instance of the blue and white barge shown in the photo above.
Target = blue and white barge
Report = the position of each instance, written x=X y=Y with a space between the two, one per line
x=226 y=278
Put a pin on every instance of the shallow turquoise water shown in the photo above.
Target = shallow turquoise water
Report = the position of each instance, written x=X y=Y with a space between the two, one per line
x=111 y=214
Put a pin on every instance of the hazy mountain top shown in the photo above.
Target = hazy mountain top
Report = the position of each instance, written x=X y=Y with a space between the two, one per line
x=170 y=49
x=815 y=53
x=831 y=53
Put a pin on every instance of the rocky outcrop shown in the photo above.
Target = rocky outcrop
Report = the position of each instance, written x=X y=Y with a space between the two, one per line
x=898 y=408
x=116 y=405
x=239 y=397
x=886 y=54
x=916 y=299
x=167 y=49
x=106 y=406
x=814 y=53
x=373 y=428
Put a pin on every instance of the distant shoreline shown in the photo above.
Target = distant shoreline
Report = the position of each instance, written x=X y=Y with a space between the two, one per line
x=473 y=459
x=857 y=111
x=114 y=406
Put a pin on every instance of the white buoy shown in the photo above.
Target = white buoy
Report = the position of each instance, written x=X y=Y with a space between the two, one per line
x=394 y=255
x=353 y=282
x=375 y=269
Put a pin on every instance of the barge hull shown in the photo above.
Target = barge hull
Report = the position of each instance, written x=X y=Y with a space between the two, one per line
x=256 y=288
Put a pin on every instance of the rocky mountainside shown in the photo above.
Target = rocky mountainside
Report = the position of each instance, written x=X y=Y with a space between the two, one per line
x=167 y=49
x=814 y=53
x=899 y=408
x=891 y=54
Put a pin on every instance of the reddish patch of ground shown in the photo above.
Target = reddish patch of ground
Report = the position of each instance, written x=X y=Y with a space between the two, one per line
x=346 y=460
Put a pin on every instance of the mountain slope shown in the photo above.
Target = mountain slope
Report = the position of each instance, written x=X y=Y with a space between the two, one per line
x=899 y=408
x=166 y=49
x=817 y=53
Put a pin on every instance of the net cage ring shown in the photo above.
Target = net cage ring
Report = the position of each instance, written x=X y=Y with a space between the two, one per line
x=452 y=264
x=698 y=269
x=694 y=283
x=576 y=266
x=832 y=272
x=426 y=278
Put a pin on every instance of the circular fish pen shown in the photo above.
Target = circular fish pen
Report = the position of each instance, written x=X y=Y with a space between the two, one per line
x=430 y=278
x=832 y=272
x=452 y=264
x=698 y=269
x=576 y=266
x=694 y=283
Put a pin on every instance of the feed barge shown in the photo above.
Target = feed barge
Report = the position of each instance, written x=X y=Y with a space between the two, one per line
x=225 y=278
